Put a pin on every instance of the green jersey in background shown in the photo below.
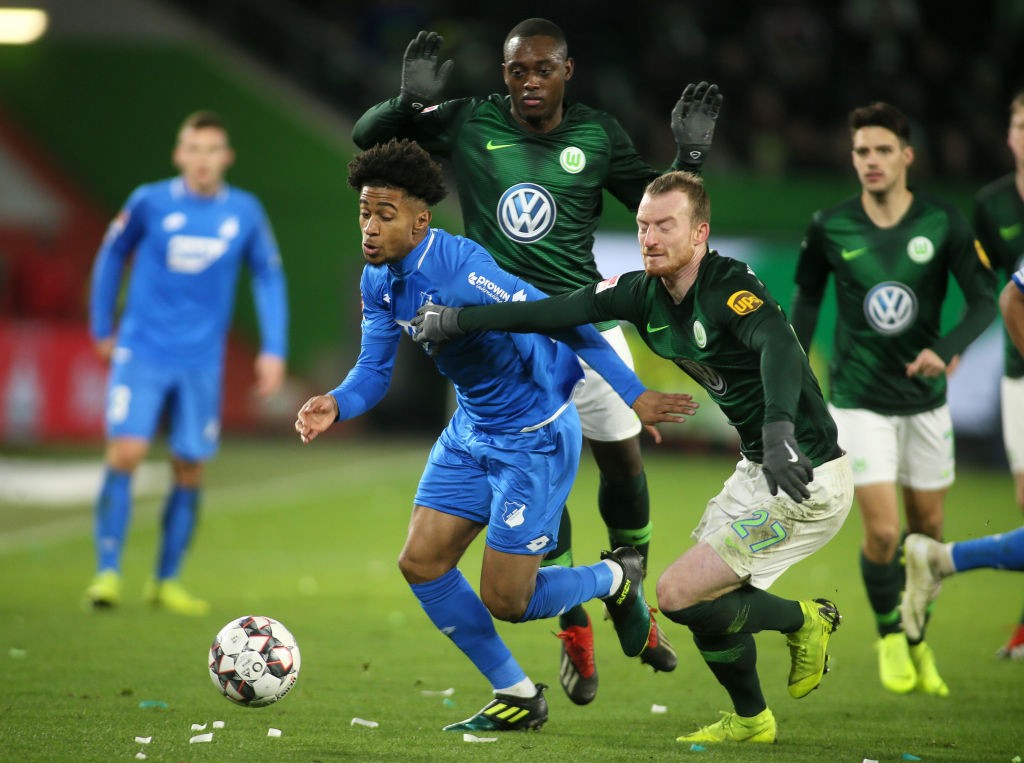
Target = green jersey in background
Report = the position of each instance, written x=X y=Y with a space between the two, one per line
x=999 y=225
x=890 y=284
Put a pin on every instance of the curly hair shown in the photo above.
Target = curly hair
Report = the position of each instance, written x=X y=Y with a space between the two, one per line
x=402 y=165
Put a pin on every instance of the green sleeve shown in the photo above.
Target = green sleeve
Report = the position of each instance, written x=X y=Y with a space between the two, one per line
x=382 y=122
x=978 y=283
x=985 y=230
x=574 y=308
x=628 y=173
x=772 y=338
x=812 y=272
x=435 y=128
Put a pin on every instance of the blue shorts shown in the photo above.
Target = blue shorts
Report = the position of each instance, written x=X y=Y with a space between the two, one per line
x=139 y=392
x=516 y=484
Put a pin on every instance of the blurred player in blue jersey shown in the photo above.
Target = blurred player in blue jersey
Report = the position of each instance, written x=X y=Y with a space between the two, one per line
x=507 y=459
x=186 y=238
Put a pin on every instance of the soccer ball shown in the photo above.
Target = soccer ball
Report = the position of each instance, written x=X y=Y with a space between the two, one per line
x=254 y=661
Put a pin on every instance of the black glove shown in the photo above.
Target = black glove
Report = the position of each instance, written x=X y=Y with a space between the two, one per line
x=422 y=80
x=693 y=122
x=784 y=463
x=434 y=325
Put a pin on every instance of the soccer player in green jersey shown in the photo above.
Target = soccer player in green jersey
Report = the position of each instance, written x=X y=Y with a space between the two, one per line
x=999 y=225
x=713 y=318
x=531 y=169
x=891 y=250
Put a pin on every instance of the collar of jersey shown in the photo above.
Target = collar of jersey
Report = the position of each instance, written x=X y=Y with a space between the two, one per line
x=412 y=261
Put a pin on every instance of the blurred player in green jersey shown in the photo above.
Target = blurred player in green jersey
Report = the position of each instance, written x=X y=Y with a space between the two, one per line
x=999 y=225
x=531 y=169
x=890 y=250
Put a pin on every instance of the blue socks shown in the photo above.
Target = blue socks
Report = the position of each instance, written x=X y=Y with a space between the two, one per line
x=454 y=608
x=1004 y=551
x=559 y=589
x=113 y=510
x=180 y=513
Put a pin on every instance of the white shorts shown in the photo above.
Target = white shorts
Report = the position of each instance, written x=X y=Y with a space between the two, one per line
x=914 y=451
x=1013 y=421
x=760 y=535
x=604 y=415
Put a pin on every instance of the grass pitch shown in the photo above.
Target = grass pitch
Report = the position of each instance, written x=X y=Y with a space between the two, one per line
x=309 y=535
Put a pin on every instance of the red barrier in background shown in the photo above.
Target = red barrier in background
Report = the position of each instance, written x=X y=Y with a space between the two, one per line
x=53 y=385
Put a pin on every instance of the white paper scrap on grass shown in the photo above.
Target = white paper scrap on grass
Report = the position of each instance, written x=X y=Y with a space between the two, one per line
x=207 y=737
x=218 y=724
x=659 y=708
x=199 y=727
x=869 y=760
x=272 y=732
x=364 y=722
x=143 y=740
x=434 y=693
x=471 y=738
x=140 y=756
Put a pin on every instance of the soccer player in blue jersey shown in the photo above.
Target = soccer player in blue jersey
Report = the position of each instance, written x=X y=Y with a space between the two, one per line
x=186 y=238
x=507 y=459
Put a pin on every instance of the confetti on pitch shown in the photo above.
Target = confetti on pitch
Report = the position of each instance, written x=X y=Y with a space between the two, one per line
x=17 y=654
x=273 y=732
x=199 y=727
x=434 y=693
x=364 y=722
x=143 y=740
x=140 y=756
x=218 y=724
x=472 y=738
x=659 y=709
x=908 y=756
x=152 y=703
x=697 y=747
x=207 y=737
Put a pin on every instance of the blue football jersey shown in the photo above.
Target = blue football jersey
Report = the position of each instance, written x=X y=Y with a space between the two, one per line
x=504 y=382
x=188 y=251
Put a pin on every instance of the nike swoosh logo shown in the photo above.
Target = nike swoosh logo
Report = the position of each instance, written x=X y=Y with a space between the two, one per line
x=653 y=330
x=1010 y=231
x=852 y=254
x=793 y=457
x=492 y=146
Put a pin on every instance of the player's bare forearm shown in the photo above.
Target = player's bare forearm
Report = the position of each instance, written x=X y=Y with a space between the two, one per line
x=316 y=416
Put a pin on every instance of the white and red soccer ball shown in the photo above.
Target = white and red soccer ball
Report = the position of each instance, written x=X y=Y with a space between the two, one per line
x=254 y=661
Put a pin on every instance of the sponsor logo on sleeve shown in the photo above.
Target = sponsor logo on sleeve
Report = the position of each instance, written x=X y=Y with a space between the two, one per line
x=744 y=302
x=607 y=283
x=982 y=254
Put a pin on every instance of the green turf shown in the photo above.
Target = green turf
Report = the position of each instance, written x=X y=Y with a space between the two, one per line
x=309 y=535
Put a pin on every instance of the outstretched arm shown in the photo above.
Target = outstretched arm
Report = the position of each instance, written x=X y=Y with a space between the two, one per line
x=693 y=124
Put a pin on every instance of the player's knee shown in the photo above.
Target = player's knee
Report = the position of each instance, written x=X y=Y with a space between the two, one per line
x=881 y=543
x=670 y=594
x=416 y=570
x=507 y=606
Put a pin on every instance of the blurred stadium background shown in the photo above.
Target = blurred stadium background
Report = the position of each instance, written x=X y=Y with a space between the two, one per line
x=90 y=110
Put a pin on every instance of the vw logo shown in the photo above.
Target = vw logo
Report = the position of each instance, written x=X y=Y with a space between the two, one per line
x=526 y=213
x=890 y=308
x=705 y=376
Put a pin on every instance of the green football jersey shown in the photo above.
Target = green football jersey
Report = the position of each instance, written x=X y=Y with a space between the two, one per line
x=999 y=225
x=716 y=334
x=532 y=200
x=890 y=284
